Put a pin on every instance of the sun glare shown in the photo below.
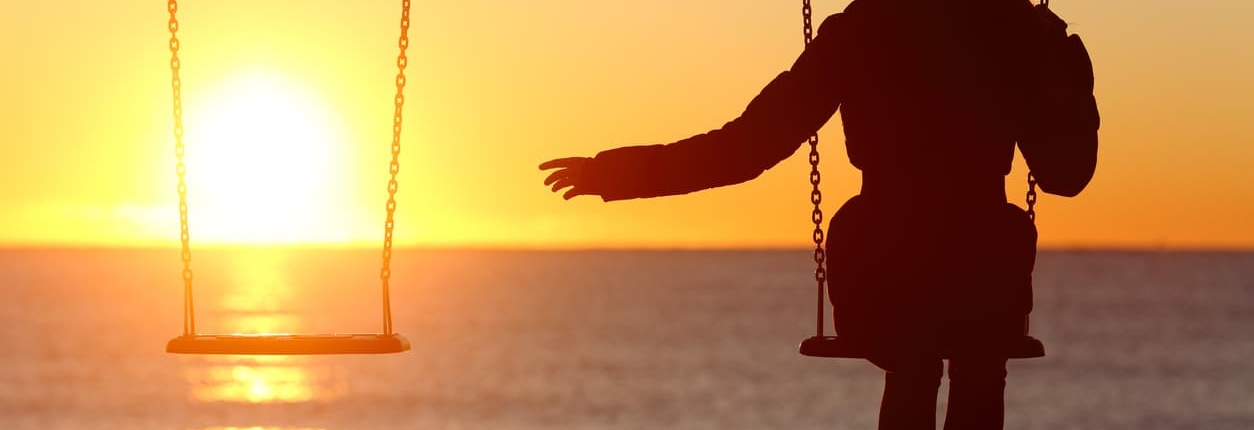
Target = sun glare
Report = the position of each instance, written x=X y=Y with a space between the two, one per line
x=267 y=164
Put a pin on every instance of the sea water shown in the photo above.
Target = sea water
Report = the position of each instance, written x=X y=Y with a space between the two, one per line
x=598 y=340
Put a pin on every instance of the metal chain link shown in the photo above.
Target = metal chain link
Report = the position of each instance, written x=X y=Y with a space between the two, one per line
x=176 y=85
x=816 y=196
x=385 y=274
x=1031 y=209
x=1031 y=197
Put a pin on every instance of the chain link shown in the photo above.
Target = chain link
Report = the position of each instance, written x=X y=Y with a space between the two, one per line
x=176 y=86
x=1031 y=210
x=816 y=196
x=385 y=274
x=1031 y=197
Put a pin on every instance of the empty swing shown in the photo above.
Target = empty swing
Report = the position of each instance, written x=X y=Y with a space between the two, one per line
x=190 y=342
x=821 y=345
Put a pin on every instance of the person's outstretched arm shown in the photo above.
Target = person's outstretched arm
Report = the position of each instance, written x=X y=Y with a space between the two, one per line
x=790 y=109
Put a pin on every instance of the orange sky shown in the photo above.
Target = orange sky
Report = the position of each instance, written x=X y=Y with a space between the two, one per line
x=288 y=106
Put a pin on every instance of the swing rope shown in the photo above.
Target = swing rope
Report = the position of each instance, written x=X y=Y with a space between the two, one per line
x=176 y=83
x=816 y=196
x=385 y=274
x=1031 y=211
x=1031 y=201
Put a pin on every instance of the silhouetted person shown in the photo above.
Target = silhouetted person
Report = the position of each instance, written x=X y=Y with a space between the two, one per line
x=934 y=96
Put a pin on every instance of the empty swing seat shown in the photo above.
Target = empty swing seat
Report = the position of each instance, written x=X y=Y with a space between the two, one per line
x=288 y=344
x=843 y=347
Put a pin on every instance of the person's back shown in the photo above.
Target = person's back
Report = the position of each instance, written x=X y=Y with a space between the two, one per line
x=930 y=256
x=936 y=90
x=933 y=101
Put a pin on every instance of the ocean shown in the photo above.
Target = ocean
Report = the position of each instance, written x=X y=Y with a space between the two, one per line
x=596 y=340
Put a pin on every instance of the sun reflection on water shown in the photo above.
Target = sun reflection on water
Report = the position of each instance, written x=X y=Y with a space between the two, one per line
x=252 y=304
x=259 y=286
x=276 y=379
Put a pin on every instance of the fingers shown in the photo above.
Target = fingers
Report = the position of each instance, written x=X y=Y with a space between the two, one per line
x=557 y=175
x=564 y=162
x=574 y=191
x=561 y=179
x=568 y=173
x=563 y=183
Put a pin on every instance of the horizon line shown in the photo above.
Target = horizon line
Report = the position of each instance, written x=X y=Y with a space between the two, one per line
x=1181 y=248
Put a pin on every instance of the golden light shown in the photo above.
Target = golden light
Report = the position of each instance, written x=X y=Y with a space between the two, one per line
x=258 y=293
x=267 y=164
x=259 y=298
x=257 y=380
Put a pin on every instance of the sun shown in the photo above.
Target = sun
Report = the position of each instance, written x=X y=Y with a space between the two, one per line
x=266 y=164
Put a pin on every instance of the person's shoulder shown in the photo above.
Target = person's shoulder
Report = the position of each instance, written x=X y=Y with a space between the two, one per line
x=855 y=15
x=836 y=20
x=837 y=23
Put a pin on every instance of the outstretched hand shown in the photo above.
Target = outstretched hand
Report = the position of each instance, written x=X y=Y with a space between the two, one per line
x=570 y=173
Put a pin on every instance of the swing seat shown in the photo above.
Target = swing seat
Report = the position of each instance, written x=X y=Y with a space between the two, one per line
x=288 y=344
x=842 y=347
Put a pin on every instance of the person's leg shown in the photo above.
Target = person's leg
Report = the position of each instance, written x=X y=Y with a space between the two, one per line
x=977 y=389
x=910 y=386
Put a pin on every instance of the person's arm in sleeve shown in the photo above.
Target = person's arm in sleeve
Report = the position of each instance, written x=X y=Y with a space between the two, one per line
x=1061 y=143
x=790 y=109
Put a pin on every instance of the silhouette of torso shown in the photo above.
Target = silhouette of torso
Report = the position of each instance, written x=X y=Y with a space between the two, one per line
x=933 y=93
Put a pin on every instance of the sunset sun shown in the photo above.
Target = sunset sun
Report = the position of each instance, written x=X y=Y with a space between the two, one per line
x=266 y=164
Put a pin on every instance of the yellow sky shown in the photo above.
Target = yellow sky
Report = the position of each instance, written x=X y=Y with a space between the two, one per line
x=288 y=106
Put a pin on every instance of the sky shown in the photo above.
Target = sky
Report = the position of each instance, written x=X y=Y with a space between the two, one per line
x=288 y=107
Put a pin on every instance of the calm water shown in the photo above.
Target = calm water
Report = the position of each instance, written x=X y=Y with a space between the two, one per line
x=585 y=340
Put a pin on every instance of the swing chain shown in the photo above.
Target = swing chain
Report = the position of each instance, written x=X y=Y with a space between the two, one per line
x=385 y=274
x=1031 y=197
x=816 y=196
x=176 y=84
